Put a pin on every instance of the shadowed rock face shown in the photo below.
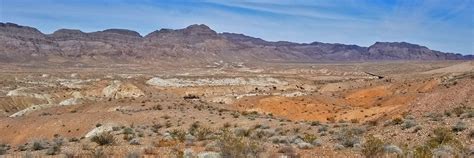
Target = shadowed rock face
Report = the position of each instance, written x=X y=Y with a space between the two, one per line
x=193 y=44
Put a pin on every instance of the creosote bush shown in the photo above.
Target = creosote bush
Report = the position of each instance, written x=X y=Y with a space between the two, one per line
x=443 y=137
x=104 y=138
x=350 y=137
x=178 y=135
x=309 y=138
x=373 y=147
x=235 y=146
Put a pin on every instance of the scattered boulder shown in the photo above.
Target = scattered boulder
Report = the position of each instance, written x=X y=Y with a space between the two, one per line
x=304 y=145
x=188 y=153
x=167 y=136
x=338 y=147
x=209 y=155
x=99 y=130
x=70 y=101
x=444 y=152
x=317 y=142
x=74 y=75
x=392 y=149
x=134 y=141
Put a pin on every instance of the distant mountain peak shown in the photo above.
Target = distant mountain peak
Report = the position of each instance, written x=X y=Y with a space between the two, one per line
x=399 y=44
x=199 y=29
x=122 y=32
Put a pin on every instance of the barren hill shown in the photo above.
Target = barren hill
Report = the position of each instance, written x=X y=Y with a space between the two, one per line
x=194 y=44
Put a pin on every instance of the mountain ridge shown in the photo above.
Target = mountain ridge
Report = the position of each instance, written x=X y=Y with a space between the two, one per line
x=196 y=43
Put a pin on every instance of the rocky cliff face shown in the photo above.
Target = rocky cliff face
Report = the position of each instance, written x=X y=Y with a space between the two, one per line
x=193 y=44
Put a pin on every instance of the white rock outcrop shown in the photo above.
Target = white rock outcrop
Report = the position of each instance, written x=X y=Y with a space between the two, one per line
x=175 y=82
x=118 y=90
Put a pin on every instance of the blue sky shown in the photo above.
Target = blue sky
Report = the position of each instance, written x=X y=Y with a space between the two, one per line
x=446 y=25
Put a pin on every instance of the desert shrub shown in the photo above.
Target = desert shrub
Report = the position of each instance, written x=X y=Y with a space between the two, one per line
x=156 y=127
x=178 y=135
x=288 y=151
x=458 y=111
x=417 y=128
x=168 y=124
x=194 y=127
x=393 y=149
x=315 y=123
x=354 y=120
x=227 y=125
x=373 y=123
x=176 y=152
x=128 y=130
x=73 y=139
x=133 y=155
x=331 y=119
x=309 y=138
x=3 y=149
x=98 y=153
x=149 y=150
x=409 y=117
x=235 y=114
x=38 y=145
x=203 y=133
x=460 y=126
x=448 y=113
x=115 y=128
x=397 y=121
x=241 y=132
x=373 y=147
x=422 y=152
x=469 y=114
x=471 y=134
x=140 y=134
x=443 y=136
x=323 y=129
x=190 y=97
x=408 y=123
x=104 y=138
x=165 y=117
x=349 y=137
x=435 y=117
x=165 y=143
x=53 y=150
x=234 y=146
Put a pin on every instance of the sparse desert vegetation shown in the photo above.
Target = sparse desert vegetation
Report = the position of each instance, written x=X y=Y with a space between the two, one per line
x=396 y=119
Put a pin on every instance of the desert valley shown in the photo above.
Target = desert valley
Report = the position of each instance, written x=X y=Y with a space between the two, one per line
x=193 y=92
